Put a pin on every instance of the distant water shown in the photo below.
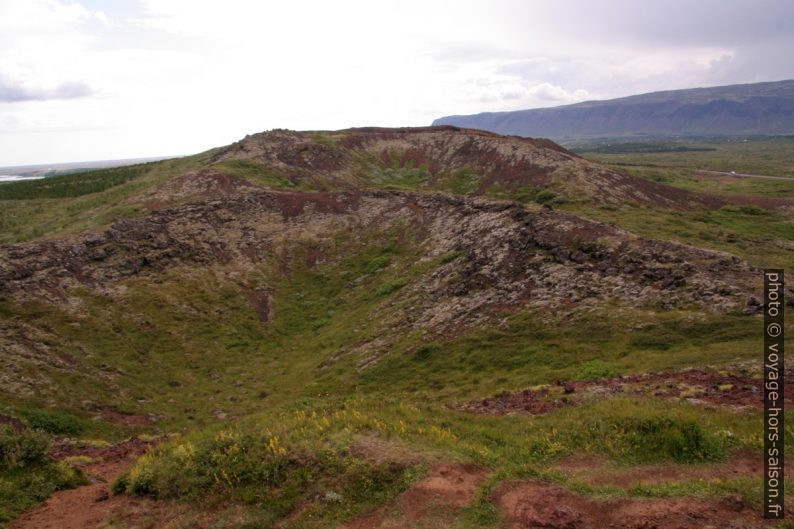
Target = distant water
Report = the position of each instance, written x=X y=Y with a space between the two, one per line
x=15 y=177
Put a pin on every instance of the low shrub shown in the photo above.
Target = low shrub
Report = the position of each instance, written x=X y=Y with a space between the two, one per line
x=24 y=488
x=54 y=422
x=261 y=469
x=27 y=474
x=22 y=448
x=663 y=438
x=389 y=287
x=377 y=263
x=595 y=369
x=538 y=195
x=640 y=432
x=744 y=210
x=630 y=430
x=448 y=258
x=425 y=352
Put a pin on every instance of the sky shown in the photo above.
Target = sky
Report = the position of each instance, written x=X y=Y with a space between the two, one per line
x=94 y=80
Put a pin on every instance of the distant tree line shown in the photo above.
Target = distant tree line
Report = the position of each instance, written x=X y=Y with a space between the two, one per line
x=73 y=184
x=640 y=148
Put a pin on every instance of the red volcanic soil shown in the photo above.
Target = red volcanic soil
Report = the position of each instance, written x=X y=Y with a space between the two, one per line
x=703 y=386
x=599 y=471
x=432 y=502
x=531 y=504
x=295 y=204
x=90 y=506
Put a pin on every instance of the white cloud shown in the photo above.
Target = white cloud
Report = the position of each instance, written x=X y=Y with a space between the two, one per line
x=52 y=16
x=179 y=76
x=550 y=92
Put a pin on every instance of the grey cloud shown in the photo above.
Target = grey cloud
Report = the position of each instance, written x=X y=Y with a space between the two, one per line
x=580 y=44
x=670 y=23
x=604 y=75
x=14 y=92
x=763 y=61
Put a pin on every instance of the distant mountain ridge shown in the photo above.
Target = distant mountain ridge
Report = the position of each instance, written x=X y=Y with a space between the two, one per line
x=744 y=109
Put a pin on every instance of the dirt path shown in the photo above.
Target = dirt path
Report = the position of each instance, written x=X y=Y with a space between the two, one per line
x=531 y=504
x=599 y=471
x=435 y=501
x=90 y=506
x=439 y=500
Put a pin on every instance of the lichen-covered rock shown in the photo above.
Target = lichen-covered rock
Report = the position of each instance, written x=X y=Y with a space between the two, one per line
x=508 y=254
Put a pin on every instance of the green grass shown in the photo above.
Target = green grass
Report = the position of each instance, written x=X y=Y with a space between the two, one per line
x=328 y=140
x=54 y=422
x=525 y=351
x=537 y=195
x=255 y=172
x=460 y=182
x=760 y=236
x=161 y=341
x=684 y=169
x=401 y=177
x=300 y=452
x=272 y=470
x=164 y=338
x=391 y=286
x=23 y=448
x=765 y=156
x=36 y=218
x=693 y=180
x=22 y=489
x=636 y=147
x=597 y=368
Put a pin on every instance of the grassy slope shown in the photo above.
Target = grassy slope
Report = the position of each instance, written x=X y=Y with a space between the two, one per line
x=52 y=211
x=763 y=237
x=173 y=371
x=166 y=339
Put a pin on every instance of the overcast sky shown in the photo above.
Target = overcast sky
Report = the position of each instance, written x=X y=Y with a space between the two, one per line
x=92 y=79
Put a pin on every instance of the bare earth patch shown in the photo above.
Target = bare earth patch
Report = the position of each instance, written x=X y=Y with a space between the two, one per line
x=739 y=389
x=599 y=471
x=379 y=449
x=529 y=504
x=435 y=501
x=89 y=506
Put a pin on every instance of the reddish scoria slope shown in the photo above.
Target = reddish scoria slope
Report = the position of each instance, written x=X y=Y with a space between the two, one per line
x=488 y=163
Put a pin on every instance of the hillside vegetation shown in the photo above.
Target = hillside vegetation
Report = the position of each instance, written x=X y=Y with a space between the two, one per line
x=386 y=328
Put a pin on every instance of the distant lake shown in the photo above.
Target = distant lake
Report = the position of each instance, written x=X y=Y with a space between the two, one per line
x=15 y=177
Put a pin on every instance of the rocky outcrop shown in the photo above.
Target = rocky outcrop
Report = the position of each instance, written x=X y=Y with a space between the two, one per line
x=498 y=164
x=501 y=253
